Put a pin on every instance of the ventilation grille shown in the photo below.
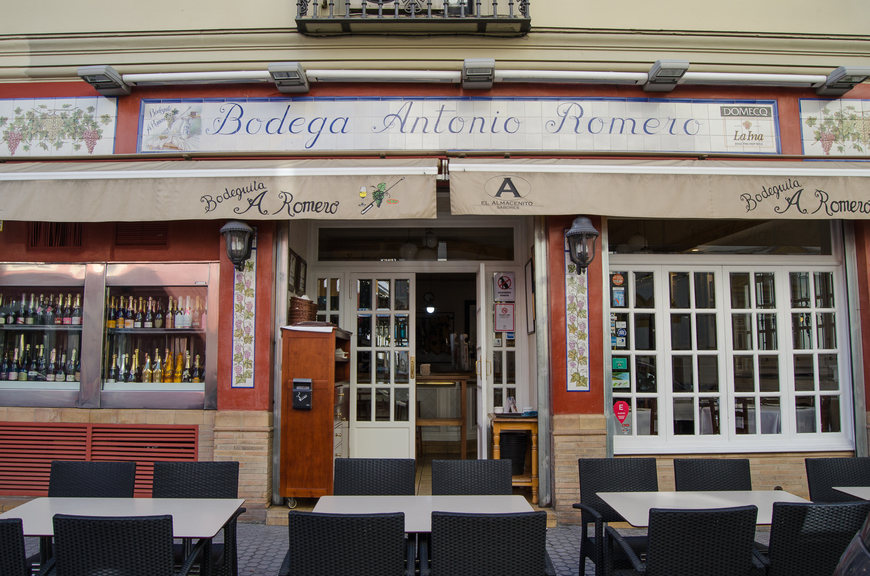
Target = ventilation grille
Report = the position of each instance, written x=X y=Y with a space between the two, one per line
x=54 y=234
x=27 y=449
x=141 y=234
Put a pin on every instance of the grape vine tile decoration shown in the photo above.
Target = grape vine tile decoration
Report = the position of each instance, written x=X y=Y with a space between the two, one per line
x=835 y=128
x=244 y=321
x=57 y=126
x=577 y=323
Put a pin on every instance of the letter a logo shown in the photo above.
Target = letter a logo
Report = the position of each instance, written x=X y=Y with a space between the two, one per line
x=507 y=186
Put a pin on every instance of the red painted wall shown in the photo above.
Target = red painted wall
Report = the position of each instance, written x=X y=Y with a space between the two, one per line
x=563 y=401
x=862 y=244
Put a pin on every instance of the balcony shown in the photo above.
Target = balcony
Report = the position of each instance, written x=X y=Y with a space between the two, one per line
x=485 y=18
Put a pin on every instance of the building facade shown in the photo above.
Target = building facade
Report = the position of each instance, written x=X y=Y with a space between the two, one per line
x=390 y=156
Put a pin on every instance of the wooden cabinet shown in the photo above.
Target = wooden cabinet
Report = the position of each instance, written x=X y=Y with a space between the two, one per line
x=312 y=439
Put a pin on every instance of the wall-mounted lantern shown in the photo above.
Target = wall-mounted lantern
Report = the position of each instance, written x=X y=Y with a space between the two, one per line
x=581 y=242
x=240 y=238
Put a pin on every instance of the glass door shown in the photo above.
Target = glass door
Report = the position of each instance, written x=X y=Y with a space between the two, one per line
x=483 y=367
x=383 y=397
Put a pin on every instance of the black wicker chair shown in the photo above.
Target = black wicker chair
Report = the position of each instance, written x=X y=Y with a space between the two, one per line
x=81 y=479
x=824 y=473
x=610 y=475
x=132 y=546
x=512 y=544
x=714 y=542
x=471 y=477
x=807 y=539
x=13 y=560
x=374 y=477
x=204 y=480
x=711 y=474
x=342 y=544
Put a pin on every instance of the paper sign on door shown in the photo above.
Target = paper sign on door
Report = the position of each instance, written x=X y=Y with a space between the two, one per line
x=504 y=317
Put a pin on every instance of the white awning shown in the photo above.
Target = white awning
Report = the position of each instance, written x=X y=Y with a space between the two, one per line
x=662 y=188
x=337 y=189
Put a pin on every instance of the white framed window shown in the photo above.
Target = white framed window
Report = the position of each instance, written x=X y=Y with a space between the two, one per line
x=724 y=356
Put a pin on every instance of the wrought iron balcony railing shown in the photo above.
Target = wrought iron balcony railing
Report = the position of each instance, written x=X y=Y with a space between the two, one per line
x=490 y=17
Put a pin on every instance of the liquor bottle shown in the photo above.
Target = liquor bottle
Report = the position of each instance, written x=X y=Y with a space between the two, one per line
x=49 y=312
x=157 y=374
x=76 y=313
x=179 y=368
x=147 y=371
x=112 y=376
x=179 y=314
x=42 y=365
x=137 y=319
x=67 y=311
x=196 y=376
x=148 y=321
x=196 y=316
x=120 y=314
x=158 y=314
x=128 y=316
x=12 y=369
x=21 y=318
x=24 y=362
x=71 y=367
x=188 y=314
x=60 y=375
x=110 y=314
x=169 y=319
x=49 y=373
x=167 y=366
x=30 y=315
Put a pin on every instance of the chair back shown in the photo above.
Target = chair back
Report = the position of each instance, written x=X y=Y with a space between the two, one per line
x=808 y=538
x=614 y=475
x=82 y=479
x=471 y=477
x=712 y=474
x=196 y=480
x=713 y=542
x=342 y=544
x=856 y=558
x=132 y=546
x=13 y=559
x=374 y=477
x=824 y=473
x=512 y=544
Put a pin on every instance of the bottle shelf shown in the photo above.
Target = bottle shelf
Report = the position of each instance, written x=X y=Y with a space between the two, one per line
x=157 y=386
x=155 y=331
x=42 y=327
x=38 y=385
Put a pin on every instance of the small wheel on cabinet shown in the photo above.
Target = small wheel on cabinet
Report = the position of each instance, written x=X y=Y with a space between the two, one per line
x=292 y=503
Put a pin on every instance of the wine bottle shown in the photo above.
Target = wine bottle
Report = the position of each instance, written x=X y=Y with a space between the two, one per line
x=49 y=311
x=128 y=315
x=188 y=314
x=42 y=365
x=67 y=311
x=185 y=374
x=196 y=316
x=33 y=366
x=179 y=368
x=158 y=314
x=179 y=314
x=40 y=310
x=4 y=368
x=24 y=362
x=12 y=369
x=170 y=315
x=147 y=371
x=148 y=321
x=21 y=319
x=167 y=367
x=112 y=375
x=137 y=319
x=71 y=367
x=58 y=310
x=196 y=376
x=50 y=372
x=76 y=313
x=157 y=373
x=110 y=314
x=134 y=368
x=30 y=314
x=60 y=375
x=78 y=370
x=120 y=314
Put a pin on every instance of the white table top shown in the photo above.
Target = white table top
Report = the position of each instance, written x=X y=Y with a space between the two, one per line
x=862 y=492
x=635 y=506
x=418 y=509
x=191 y=517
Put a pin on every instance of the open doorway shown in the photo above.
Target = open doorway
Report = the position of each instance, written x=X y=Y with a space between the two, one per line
x=446 y=335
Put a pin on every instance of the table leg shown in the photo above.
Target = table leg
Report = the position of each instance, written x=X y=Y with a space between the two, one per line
x=496 y=448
